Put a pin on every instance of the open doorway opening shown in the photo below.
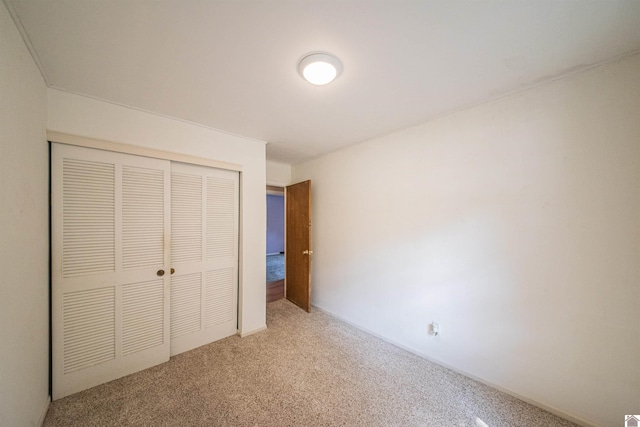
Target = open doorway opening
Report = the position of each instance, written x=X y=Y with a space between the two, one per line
x=275 y=243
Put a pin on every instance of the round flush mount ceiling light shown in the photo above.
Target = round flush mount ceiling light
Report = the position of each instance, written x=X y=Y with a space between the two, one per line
x=319 y=68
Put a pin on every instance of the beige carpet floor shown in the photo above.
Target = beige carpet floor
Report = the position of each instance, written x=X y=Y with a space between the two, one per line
x=305 y=370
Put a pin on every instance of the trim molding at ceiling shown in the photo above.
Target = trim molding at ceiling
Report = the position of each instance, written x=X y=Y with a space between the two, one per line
x=26 y=40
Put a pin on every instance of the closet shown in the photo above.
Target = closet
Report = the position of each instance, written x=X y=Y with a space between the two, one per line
x=144 y=262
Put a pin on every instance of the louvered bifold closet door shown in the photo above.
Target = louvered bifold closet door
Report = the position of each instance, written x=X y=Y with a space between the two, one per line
x=110 y=218
x=204 y=253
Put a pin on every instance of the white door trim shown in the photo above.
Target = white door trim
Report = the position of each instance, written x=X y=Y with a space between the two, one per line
x=118 y=147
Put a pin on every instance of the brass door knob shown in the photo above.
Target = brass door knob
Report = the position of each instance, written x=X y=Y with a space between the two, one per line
x=173 y=270
x=160 y=273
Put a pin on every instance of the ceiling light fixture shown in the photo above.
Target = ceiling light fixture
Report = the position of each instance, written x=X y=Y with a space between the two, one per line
x=319 y=68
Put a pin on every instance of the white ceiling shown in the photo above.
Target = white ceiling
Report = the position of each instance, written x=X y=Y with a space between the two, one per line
x=231 y=65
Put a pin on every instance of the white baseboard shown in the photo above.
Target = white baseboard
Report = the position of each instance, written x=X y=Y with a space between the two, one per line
x=555 y=411
x=255 y=331
x=43 y=412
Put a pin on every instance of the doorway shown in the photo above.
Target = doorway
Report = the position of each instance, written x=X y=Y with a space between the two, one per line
x=291 y=216
x=275 y=243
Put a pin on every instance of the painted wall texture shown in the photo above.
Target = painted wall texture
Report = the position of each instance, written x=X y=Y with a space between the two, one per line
x=24 y=248
x=275 y=224
x=515 y=225
x=278 y=174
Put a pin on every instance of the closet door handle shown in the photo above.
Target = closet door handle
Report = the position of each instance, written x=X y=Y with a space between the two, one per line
x=160 y=273
x=173 y=270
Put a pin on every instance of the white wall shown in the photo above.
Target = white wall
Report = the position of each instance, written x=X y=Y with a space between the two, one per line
x=88 y=117
x=515 y=224
x=278 y=174
x=24 y=250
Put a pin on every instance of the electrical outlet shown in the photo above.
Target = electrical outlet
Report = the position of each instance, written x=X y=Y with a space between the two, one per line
x=434 y=328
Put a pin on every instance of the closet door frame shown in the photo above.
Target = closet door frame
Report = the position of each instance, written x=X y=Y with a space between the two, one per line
x=118 y=147
x=80 y=141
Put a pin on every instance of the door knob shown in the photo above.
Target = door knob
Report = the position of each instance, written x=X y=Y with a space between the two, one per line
x=160 y=273
x=173 y=270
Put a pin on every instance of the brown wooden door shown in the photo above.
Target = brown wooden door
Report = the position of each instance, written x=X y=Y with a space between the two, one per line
x=298 y=244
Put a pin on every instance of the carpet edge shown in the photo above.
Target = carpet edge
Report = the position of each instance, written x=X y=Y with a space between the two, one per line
x=549 y=408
